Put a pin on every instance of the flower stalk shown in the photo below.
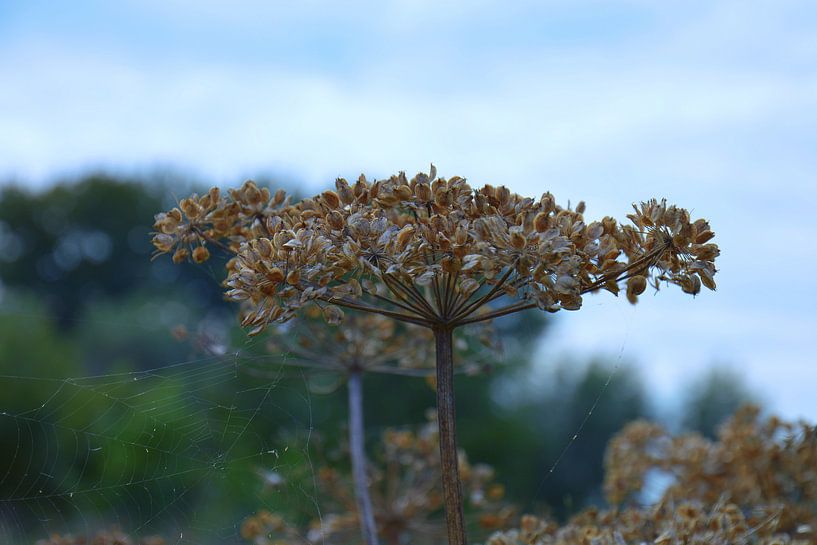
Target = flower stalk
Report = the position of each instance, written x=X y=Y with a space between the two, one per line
x=447 y=425
x=357 y=452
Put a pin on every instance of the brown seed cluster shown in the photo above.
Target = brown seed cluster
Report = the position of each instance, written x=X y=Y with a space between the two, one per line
x=766 y=466
x=755 y=485
x=430 y=250
x=103 y=537
x=265 y=528
x=405 y=489
x=685 y=523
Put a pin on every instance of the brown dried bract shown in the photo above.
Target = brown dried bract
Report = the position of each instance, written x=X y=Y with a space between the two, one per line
x=755 y=485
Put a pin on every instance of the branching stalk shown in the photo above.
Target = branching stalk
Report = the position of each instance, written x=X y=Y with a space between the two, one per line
x=397 y=287
x=366 y=308
x=405 y=306
x=482 y=300
x=504 y=311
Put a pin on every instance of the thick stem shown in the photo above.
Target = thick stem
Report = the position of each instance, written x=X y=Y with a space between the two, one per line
x=447 y=423
x=358 y=454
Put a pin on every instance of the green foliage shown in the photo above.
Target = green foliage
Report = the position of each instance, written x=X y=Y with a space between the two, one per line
x=27 y=346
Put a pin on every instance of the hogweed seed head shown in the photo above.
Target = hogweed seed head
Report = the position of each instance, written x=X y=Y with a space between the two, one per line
x=430 y=251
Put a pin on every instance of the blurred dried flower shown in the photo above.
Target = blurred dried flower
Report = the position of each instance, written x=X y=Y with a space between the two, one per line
x=366 y=342
x=113 y=536
x=766 y=466
x=684 y=524
x=756 y=485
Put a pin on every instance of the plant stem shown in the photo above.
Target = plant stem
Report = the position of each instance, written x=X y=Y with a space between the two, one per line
x=447 y=423
x=358 y=455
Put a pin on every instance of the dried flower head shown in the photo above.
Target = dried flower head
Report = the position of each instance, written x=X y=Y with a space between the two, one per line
x=754 y=486
x=765 y=466
x=430 y=250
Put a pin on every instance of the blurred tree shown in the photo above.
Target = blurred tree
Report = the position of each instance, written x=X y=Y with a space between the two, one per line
x=575 y=479
x=712 y=399
x=542 y=408
x=78 y=242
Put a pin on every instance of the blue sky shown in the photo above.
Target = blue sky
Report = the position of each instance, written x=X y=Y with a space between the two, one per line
x=710 y=104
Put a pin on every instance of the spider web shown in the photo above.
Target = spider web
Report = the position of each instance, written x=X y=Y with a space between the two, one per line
x=151 y=451
x=146 y=451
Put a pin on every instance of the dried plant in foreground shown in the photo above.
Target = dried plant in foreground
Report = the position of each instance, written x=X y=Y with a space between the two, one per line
x=686 y=523
x=435 y=253
x=406 y=495
x=755 y=485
